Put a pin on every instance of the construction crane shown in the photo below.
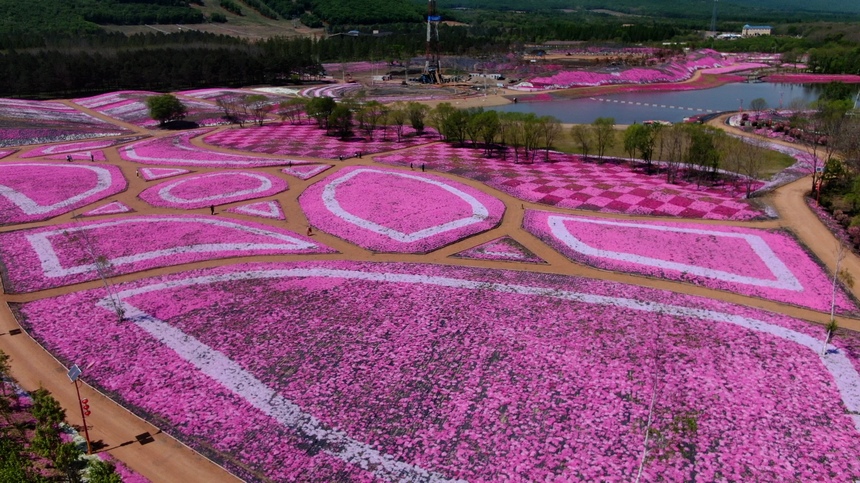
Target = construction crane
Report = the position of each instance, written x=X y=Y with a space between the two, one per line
x=432 y=67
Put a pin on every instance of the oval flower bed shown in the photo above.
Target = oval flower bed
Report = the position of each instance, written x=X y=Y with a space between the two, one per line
x=77 y=146
x=758 y=263
x=38 y=191
x=388 y=210
x=203 y=190
x=60 y=255
x=405 y=372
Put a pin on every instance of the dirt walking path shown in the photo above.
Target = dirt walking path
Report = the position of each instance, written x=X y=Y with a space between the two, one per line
x=165 y=459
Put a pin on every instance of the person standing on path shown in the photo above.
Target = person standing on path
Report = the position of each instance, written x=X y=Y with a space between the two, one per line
x=422 y=167
x=69 y=158
x=92 y=158
x=211 y=209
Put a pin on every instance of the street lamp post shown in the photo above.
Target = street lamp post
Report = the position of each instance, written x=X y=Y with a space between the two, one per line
x=84 y=404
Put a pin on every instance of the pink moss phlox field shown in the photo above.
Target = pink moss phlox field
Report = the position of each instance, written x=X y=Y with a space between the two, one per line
x=306 y=171
x=215 y=188
x=35 y=122
x=177 y=150
x=264 y=209
x=6 y=152
x=389 y=210
x=309 y=140
x=54 y=256
x=504 y=249
x=38 y=191
x=77 y=146
x=350 y=371
x=112 y=208
x=758 y=263
x=151 y=174
x=675 y=70
x=130 y=106
x=568 y=181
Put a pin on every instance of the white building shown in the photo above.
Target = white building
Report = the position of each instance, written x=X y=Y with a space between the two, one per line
x=755 y=30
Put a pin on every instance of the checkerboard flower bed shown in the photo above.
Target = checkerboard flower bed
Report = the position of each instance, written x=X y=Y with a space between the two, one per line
x=504 y=249
x=360 y=371
x=569 y=182
x=65 y=148
x=217 y=188
x=758 y=263
x=38 y=191
x=55 y=256
x=309 y=140
x=177 y=150
x=387 y=210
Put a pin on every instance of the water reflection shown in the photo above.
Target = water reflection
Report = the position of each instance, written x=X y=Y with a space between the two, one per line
x=673 y=106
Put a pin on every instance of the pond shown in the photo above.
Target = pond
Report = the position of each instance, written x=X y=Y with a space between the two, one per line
x=674 y=106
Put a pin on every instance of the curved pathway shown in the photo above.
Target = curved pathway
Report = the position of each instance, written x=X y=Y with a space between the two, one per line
x=166 y=459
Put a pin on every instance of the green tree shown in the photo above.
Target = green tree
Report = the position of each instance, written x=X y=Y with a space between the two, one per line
x=757 y=105
x=583 y=136
x=371 y=114
x=320 y=108
x=438 y=118
x=642 y=138
x=604 y=135
x=102 y=472
x=397 y=115
x=490 y=127
x=417 y=115
x=165 y=108
x=340 y=120
x=259 y=106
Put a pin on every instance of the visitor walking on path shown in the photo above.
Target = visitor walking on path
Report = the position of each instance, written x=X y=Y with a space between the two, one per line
x=310 y=231
x=211 y=209
x=422 y=167
x=92 y=158
x=69 y=158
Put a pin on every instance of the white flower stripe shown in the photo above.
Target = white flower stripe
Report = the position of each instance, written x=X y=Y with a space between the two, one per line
x=329 y=196
x=165 y=192
x=785 y=279
x=52 y=266
x=31 y=207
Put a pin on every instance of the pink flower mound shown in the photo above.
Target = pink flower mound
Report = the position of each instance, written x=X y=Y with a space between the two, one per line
x=408 y=372
x=264 y=209
x=36 y=122
x=112 y=208
x=55 y=256
x=151 y=174
x=735 y=68
x=569 y=182
x=307 y=171
x=130 y=106
x=390 y=210
x=758 y=263
x=216 y=188
x=676 y=70
x=77 y=146
x=813 y=78
x=309 y=140
x=504 y=249
x=177 y=150
x=6 y=152
x=38 y=191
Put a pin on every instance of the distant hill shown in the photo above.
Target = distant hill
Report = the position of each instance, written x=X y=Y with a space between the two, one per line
x=671 y=8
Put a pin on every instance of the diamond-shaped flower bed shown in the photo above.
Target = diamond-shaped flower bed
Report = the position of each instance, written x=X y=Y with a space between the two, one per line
x=264 y=209
x=501 y=249
x=215 y=188
x=408 y=372
x=389 y=210
x=6 y=152
x=177 y=150
x=112 y=208
x=38 y=191
x=306 y=171
x=758 y=263
x=151 y=174
x=54 y=256
x=310 y=140
x=569 y=182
